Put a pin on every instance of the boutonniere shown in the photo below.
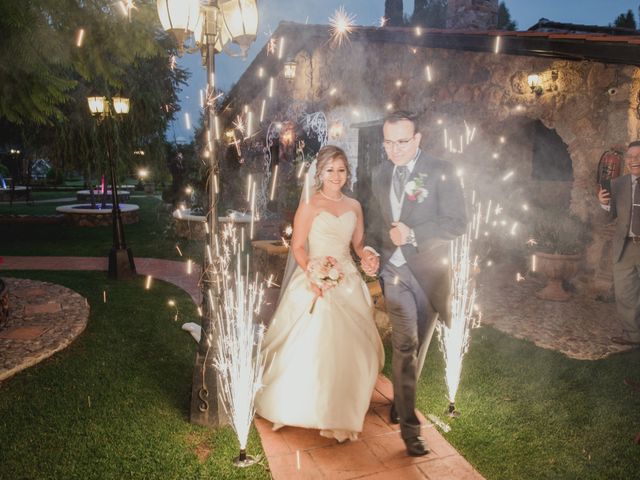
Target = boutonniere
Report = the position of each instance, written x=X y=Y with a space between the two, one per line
x=415 y=189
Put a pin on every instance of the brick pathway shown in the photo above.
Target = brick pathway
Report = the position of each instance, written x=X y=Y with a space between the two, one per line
x=303 y=453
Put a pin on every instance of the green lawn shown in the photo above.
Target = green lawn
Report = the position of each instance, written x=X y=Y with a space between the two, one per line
x=115 y=403
x=152 y=237
x=531 y=413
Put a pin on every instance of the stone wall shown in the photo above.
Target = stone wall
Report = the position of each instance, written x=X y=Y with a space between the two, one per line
x=591 y=106
x=101 y=220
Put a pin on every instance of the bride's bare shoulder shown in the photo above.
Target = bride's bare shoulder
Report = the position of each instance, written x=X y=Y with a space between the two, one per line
x=308 y=207
x=354 y=204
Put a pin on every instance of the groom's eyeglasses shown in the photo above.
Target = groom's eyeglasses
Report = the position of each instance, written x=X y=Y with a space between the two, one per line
x=401 y=144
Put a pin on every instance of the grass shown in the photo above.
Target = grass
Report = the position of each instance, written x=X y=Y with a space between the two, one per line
x=152 y=237
x=115 y=403
x=531 y=413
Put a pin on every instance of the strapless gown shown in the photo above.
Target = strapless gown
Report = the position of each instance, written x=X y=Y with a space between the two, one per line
x=321 y=367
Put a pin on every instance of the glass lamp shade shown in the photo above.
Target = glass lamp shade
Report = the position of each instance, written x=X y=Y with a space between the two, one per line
x=121 y=105
x=178 y=16
x=534 y=80
x=241 y=19
x=96 y=104
x=290 y=69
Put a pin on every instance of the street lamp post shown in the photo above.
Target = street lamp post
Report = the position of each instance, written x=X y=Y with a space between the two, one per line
x=214 y=24
x=121 y=264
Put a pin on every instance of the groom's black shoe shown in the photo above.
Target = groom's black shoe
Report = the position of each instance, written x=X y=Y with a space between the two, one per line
x=416 y=446
x=393 y=415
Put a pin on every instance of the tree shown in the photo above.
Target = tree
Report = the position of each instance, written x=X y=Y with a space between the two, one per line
x=504 y=18
x=393 y=12
x=430 y=13
x=45 y=78
x=625 y=21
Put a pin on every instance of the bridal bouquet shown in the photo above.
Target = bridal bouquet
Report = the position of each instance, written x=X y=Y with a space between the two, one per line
x=325 y=273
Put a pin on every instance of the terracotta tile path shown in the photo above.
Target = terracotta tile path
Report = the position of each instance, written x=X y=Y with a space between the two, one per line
x=301 y=453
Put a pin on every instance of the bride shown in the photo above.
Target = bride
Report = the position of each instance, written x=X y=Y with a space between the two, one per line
x=323 y=351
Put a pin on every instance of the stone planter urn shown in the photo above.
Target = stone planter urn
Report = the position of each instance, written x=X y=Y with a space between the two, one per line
x=557 y=268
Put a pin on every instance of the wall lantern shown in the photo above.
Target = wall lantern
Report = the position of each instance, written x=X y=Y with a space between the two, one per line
x=290 y=69
x=535 y=83
x=335 y=130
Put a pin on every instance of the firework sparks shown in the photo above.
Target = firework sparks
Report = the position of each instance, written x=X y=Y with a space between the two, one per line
x=271 y=46
x=340 y=26
x=172 y=303
x=454 y=340
x=126 y=7
x=147 y=283
x=273 y=184
x=253 y=209
x=238 y=357
x=80 y=37
x=240 y=125
x=383 y=21
x=497 y=45
x=264 y=104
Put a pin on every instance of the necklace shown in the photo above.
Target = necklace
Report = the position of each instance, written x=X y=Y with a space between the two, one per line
x=331 y=198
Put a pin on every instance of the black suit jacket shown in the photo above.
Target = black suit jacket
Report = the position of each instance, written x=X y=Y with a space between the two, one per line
x=620 y=209
x=436 y=221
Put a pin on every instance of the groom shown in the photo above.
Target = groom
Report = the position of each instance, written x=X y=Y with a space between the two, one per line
x=420 y=210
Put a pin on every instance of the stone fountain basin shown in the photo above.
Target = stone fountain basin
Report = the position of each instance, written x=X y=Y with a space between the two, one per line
x=192 y=226
x=82 y=215
x=85 y=195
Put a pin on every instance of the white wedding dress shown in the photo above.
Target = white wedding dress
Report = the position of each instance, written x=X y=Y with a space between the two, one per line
x=321 y=368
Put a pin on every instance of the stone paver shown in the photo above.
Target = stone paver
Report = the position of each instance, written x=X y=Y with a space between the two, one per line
x=580 y=328
x=44 y=318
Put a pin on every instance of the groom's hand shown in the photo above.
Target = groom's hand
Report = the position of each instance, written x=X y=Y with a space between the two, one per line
x=399 y=233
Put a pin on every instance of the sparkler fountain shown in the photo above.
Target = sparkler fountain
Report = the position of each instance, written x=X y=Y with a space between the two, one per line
x=454 y=341
x=238 y=358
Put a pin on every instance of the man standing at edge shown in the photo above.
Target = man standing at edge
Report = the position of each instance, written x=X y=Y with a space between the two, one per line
x=421 y=209
x=623 y=203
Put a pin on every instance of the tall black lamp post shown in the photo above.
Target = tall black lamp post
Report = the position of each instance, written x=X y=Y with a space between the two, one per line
x=121 y=263
x=214 y=24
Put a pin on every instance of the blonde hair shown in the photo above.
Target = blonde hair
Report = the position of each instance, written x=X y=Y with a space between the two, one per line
x=326 y=155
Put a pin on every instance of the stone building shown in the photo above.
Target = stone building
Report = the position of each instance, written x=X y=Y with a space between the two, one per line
x=525 y=115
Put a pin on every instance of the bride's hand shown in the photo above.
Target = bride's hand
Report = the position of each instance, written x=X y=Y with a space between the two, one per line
x=317 y=291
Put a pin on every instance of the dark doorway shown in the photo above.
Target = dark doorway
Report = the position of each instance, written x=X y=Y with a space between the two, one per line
x=370 y=155
x=551 y=160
